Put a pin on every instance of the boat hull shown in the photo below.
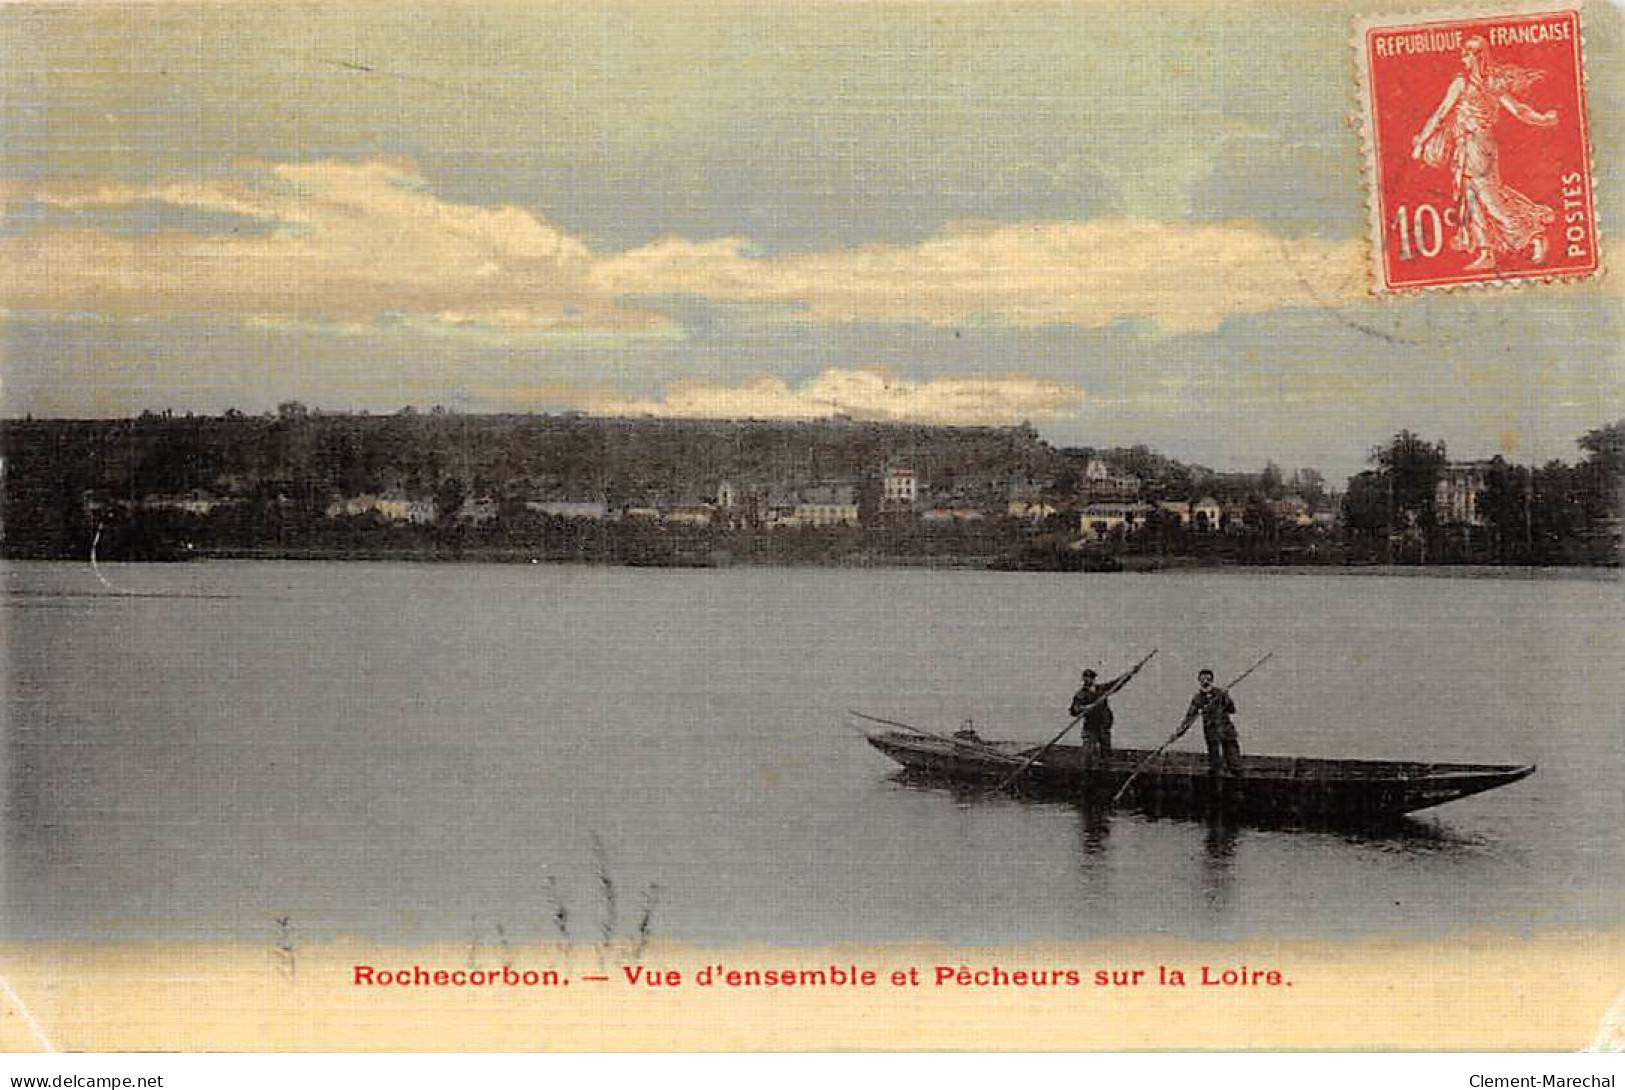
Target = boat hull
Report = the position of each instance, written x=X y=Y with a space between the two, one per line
x=1267 y=789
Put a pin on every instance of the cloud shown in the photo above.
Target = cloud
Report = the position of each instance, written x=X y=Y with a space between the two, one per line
x=1183 y=276
x=861 y=393
x=364 y=242
x=352 y=242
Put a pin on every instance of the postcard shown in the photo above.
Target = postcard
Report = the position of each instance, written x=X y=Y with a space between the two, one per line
x=793 y=526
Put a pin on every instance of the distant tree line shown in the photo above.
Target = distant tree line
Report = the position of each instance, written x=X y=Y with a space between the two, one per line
x=160 y=485
x=1558 y=513
x=276 y=477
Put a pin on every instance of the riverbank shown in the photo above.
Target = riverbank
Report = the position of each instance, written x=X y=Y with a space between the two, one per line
x=1088 y=564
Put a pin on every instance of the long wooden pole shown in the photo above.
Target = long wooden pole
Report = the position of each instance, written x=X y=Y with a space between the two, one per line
x=1115 y=688
x=1184 y=725
x=983 y=746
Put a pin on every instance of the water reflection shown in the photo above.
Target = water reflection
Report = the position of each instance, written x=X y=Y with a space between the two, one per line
x=1408 y=834
x=1401 y=834
x=1094 y=833
x=23 y=596
x=1218 y=860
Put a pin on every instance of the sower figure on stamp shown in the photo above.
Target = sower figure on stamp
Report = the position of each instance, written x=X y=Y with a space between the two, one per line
x=1491 y=217
x=1097 y=721
x=1215 y=707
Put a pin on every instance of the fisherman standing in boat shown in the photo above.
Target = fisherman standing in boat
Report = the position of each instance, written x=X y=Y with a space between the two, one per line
x=1215 y=707
x=1097 y=720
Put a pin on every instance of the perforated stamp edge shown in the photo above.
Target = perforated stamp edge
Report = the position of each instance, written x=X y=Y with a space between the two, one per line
x=1376 y=282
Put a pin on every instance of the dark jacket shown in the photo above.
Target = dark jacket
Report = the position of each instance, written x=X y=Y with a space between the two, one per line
x=1214 y=706
x=1099 y=717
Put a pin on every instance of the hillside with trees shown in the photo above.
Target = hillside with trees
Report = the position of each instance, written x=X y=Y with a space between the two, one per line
x=568 y=487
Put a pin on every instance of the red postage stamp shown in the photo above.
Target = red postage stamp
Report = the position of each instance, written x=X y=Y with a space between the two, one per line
x=1477 y=151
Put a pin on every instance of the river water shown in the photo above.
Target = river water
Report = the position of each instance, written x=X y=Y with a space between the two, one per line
x=418 y=752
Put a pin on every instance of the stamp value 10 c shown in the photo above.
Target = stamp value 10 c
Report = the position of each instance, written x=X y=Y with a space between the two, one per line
x=1477 y=151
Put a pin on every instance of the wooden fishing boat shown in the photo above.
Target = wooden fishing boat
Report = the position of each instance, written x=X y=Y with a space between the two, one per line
x=1268 y=789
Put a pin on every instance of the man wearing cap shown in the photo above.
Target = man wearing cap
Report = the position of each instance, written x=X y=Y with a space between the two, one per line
x=1215 y=707
x=1097 y=721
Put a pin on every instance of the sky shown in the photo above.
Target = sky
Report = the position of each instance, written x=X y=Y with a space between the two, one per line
x=1122 y=223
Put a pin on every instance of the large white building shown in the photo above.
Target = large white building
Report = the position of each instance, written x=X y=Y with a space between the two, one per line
x=902 y=487
x=827 y=505
x=1101 y=520
x=1456 y=494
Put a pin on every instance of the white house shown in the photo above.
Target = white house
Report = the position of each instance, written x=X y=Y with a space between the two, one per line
x=1028 y=501
x=596 y=510
x=1101 y=520
x=1033 y=509
x=195 y=502
x=393 y=506
x=901 y=487
x=690 y=514
x=1292 y=509
x=827 y=505
x=953 y=512
x=1206 y=514
x=1099 y=480
x=1456 y=494
x=1180 y=509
